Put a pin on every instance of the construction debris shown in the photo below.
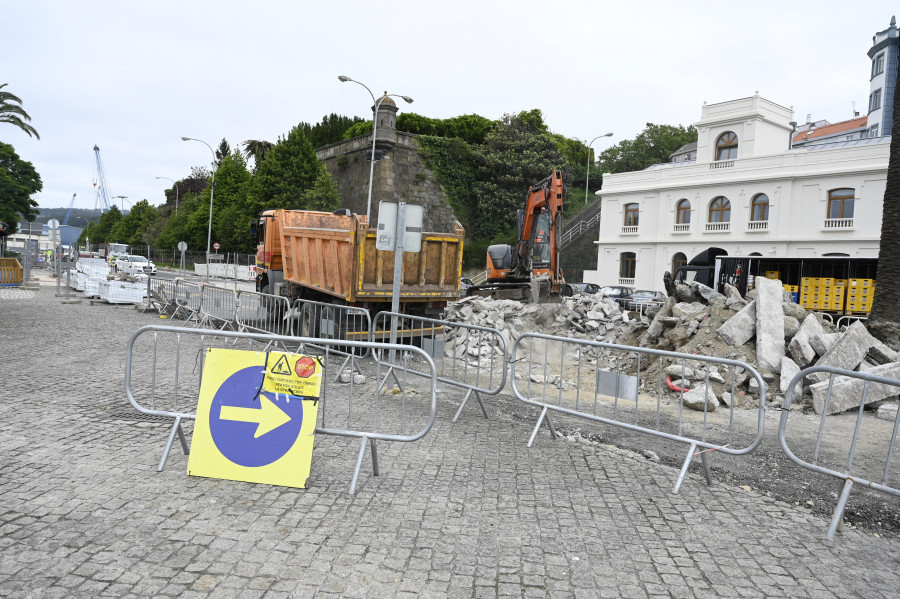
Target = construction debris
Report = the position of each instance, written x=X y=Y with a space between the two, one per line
x=766 y=330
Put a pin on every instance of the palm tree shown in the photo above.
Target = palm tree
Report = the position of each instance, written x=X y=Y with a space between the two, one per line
x=12 y=112
x=257 y=149
x=884 y=320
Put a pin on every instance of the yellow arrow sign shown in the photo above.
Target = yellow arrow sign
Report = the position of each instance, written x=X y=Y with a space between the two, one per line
x=268 y=416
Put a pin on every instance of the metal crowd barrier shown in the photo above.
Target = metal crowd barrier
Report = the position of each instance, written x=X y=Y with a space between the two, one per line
x=164 y=367
x=847 y=468
x=849 y=319
x=329 y=321
x=161 y=295
x=468 y=356
x=188 y=298
x=217 y=307
x=262 y=313
x=568 y=376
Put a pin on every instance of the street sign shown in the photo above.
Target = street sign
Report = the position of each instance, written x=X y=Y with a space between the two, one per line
x=216 y=246
x=53 y=224
x=182 y=246
x=388 y=235
x=256 y=416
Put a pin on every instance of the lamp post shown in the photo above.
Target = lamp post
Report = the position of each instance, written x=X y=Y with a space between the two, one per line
x=344 y=79
x=588 y=173
x=123 y=198
x=211 y=192
x=176 y=192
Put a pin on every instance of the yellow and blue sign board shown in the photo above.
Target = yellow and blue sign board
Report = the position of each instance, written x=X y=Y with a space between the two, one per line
x=256 y=416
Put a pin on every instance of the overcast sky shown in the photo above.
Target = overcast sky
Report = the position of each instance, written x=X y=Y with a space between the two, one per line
x=134 y=77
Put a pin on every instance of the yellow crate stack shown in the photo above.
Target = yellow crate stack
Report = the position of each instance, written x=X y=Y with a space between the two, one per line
x=859 y=295
x=823 y=293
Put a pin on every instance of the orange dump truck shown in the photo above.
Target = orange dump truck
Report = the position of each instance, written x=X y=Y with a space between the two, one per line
x=331 y=257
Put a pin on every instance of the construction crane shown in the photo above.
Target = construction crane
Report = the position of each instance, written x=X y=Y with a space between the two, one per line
x=100 y=184
x=69 y=211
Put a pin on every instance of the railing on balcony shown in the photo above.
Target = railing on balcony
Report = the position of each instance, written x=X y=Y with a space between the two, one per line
x=629 y=282
x=758 y=225
x=838 y=223
x=681 y=228
x=630 y=230
x=718 y=227
x=721 y=164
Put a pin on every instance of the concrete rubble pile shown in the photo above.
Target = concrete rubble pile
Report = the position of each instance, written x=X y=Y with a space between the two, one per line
x=766 y=330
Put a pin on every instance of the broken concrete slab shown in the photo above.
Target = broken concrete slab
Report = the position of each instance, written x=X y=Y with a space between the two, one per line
x=740 y=328
x=769 y=324
x=824 y=342
x=847 y=392
x=887 y=411
x=881 y=354
x=789 y=370
x=848 y=351
x=697 y=399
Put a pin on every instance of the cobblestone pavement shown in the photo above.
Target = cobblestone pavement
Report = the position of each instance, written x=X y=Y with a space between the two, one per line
x=468 y=511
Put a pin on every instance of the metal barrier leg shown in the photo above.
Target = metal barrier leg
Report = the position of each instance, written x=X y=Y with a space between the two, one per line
x=706 y=471
x=465 y=399
x=545 y=415
x=359 y=461
x=374 y=449
x=176 y=428
x=838 y=517
x=684 y=468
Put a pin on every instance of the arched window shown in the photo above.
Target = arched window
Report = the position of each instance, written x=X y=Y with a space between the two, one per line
x=759 y=208
x=627 y=262
x=631 y=215
x=678 y=260
x=726 y=146
x=720 y=210
x=683 y=212
x=840 y=203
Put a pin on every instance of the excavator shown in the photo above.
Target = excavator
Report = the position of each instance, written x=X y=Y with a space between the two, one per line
x=530 y=270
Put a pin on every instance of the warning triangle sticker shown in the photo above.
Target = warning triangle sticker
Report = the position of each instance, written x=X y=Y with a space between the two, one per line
x=282 y=366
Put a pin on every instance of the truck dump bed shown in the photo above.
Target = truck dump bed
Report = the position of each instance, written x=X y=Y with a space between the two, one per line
x=335 y=254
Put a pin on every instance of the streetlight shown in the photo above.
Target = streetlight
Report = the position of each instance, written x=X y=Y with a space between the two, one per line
x=211 y=192
x=588 y=174
x=344 y=79
x=176 y=192
x=123 y=198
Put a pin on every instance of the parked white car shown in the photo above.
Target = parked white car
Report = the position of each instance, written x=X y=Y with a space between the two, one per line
x=135 y=264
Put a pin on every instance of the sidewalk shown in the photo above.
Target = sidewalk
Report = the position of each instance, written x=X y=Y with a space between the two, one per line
x=469 y=511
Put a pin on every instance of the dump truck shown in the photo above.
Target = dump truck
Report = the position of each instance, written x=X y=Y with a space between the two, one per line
x=331 y=257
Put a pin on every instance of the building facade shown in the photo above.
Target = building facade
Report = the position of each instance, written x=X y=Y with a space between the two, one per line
x=748 y=192
x=884 y=55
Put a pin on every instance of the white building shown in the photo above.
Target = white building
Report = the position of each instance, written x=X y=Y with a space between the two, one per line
x=746 y=192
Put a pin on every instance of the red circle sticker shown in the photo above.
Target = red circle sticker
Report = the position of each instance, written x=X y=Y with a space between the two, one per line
x=305 y=367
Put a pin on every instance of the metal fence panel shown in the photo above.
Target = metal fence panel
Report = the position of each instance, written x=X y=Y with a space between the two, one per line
x=188 y=296
x=217 y=307
x=850 y=391
x=629 y=387
x=262 y=313
x=164 y=367
x=471 y=357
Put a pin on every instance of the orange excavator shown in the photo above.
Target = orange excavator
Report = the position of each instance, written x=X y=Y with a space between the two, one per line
x=530 y=269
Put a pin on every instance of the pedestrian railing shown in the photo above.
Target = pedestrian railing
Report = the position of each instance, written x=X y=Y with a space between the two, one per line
x=188 y=298
x=632 y=388
x=162 y=296
x=322 y=320
x=217 y=307
x=832 y=454
x=467 y=356
x=164 y=368
x=262 y=313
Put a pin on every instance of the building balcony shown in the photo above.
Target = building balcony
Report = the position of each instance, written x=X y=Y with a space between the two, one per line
x=758 y=226
x=626 y=281
x=718 y=227
x=681 y=228
x=838 y=224
x=630 y=230
x=721 y=164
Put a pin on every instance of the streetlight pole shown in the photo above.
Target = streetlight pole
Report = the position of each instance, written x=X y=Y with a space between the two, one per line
x=211 y=192
x=588 y=173
x=176 y=192
x=123 y=198
x=344 y=79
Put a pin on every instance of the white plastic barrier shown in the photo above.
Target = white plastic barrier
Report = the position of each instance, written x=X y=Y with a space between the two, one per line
x=122 y=292
x=226 y=271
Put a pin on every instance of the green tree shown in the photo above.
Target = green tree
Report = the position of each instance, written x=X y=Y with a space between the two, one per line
x=100 y=231
x=653 y=145
x=132 y=228
x=290 y=168
x=11 y=112
x=221 y=152
x=18 y=182
x=257 y=150
x=230 y=224
x=329 y=130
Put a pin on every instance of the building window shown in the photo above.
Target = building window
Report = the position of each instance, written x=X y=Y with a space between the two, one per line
x=840 y=203
x=878 y=65
x=726 y=146
x=631 y=215
x=720 y=210
x=627 y=262
x=873 y=131
x=683 y=212
x=875 y=100
x=678 y=260
x=759 y=208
